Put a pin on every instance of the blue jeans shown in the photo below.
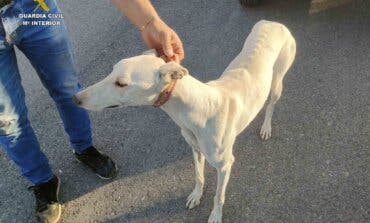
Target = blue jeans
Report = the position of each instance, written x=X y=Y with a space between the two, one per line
x=49 y=50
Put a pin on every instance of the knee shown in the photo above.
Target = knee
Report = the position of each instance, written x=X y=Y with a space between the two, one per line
x=63 y=93
x=223 y=166
x=219 y=200
x=9 y=125
x=226 y=164
x=61 y=98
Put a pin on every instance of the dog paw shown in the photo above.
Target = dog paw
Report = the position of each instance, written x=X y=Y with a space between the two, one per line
x=194 y=198
x=215 y=217
x=265 y=132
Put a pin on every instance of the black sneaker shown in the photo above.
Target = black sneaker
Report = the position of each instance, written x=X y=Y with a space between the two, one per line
x=98 y=162
x=249 y=2
x=48 y=207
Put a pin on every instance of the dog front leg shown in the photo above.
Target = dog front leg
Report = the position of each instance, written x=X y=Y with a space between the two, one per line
x=223 y=174
x=194 y=198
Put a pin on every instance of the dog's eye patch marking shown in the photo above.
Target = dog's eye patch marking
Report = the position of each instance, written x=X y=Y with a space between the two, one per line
x=119 y=84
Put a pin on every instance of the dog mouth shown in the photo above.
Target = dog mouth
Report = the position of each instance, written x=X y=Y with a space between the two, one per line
x=112 y=106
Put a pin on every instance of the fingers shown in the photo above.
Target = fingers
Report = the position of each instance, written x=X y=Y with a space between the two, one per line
x=172 y=47
x=161 y=55
x=166 y=44
x=177 y=57
x=168 y=59
x=178 y=48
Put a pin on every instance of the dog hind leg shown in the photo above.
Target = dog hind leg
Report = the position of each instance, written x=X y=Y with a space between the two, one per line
x=281 y=66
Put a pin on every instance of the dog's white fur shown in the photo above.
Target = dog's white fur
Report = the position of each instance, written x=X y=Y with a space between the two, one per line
x=211 y=114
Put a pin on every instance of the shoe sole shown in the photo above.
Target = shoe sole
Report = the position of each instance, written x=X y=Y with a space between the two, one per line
x=59 y=205
x=58 y=217
x=101 y=177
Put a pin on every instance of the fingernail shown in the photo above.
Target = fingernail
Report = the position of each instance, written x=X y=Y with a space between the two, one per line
x=170 y=53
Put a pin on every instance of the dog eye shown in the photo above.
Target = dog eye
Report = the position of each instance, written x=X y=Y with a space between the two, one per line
x=119 y=84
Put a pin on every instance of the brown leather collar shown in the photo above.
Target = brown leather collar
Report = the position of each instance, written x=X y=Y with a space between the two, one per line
x=165 y=95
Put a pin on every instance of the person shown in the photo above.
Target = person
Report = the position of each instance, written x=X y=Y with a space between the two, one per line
x=45 y=42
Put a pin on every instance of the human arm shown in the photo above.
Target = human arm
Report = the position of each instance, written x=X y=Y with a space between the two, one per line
x=155 y=32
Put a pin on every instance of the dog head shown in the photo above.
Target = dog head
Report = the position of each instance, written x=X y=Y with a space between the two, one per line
x=134 y=81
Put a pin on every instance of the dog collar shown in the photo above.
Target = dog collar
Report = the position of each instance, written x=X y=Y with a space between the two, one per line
x=165 y=95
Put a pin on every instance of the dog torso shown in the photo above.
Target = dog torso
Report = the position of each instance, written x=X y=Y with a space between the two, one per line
x=219 y=110
x=248 y=77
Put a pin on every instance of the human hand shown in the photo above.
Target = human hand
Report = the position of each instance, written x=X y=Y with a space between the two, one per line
x=163 y=39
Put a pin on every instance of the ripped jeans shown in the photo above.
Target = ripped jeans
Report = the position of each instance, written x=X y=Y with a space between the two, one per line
x=49 y=51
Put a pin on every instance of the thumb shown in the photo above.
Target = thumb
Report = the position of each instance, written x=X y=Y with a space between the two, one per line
x=166 y=45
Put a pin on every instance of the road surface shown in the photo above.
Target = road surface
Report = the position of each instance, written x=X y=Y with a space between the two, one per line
x=315 y=168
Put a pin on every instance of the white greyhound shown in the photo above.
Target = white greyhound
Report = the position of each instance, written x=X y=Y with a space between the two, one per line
x=211 y=114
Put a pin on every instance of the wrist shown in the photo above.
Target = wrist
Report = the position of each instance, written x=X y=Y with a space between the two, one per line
x=148 y=22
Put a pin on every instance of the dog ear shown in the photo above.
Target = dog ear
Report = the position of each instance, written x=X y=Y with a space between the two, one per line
x=152 y=52
x=171 y=71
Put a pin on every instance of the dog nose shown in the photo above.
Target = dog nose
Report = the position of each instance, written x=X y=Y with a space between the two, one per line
x=76 y=100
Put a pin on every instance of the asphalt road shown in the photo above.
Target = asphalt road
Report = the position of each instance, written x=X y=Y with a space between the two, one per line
x=315 y=168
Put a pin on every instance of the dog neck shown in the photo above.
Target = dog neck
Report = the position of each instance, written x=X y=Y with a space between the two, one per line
x=165 y=94
x=191 y=94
